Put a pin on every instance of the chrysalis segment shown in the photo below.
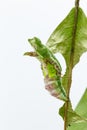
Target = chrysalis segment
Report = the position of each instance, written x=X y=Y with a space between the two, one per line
x=52 y=81
x=44 y=54
x=50 y=67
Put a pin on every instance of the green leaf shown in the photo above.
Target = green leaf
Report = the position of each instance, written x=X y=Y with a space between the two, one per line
x=81 y=110
x=72 y=115
x=61 y=39
x=70 y=39
x=82 y=105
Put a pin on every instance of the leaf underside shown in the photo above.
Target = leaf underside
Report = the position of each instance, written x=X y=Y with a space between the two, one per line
x=61 y=40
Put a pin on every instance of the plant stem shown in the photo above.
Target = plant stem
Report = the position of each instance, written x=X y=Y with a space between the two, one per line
x=77 y=3
x=71 y=62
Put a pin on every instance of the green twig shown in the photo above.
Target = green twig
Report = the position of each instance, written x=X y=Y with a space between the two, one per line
x=71 y=62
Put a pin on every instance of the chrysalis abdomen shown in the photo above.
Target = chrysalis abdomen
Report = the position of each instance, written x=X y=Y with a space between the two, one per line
x=52 y=80
x=51 y=68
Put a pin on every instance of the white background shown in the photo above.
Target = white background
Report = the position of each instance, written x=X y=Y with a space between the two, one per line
x=24 y=103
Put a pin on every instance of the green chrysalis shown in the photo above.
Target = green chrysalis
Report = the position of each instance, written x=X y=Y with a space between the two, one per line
x=50 y=67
